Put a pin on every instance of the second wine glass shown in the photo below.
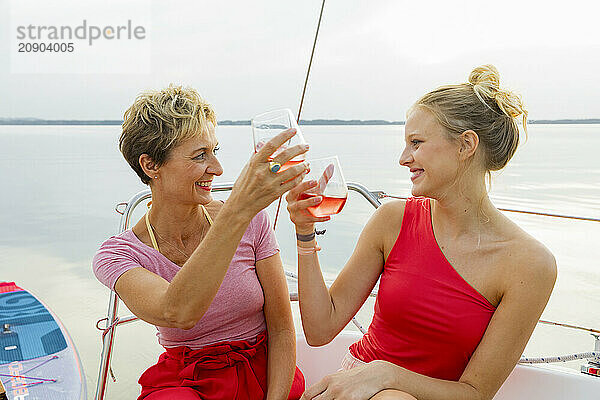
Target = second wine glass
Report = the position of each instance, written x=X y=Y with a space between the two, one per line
x=331 y=185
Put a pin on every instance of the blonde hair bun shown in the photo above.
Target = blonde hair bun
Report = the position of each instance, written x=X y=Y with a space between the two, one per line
x=486 y=77
x=486 y=85
x=482 y=106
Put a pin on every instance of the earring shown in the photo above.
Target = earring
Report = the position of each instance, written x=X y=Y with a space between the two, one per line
x=155 y=176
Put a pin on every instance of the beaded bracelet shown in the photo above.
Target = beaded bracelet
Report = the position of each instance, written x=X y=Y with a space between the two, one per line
x=306 y=251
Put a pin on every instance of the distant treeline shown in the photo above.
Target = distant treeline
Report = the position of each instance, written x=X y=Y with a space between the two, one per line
x=33 y=121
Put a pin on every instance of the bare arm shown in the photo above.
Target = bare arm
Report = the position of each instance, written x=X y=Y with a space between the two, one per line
x=325 y=312
x=513 y=322
x=184 y=301
x=524 y=299
x=281 y=364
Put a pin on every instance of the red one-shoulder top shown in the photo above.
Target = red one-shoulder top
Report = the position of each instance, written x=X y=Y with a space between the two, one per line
x=427 y=318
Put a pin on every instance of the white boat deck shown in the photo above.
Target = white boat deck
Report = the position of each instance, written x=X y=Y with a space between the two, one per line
x=526 y=382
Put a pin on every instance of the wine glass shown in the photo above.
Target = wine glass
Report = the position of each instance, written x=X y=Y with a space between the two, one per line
x=330 y=185
x=268 y=125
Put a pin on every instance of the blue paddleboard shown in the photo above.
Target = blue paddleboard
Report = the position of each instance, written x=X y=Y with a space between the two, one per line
x=37 y=357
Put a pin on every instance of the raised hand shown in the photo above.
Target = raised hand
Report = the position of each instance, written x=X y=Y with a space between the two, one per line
x=257 y=186
x=298 y=209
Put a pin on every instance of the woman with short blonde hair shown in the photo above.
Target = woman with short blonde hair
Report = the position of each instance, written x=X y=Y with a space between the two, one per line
x=207 y=274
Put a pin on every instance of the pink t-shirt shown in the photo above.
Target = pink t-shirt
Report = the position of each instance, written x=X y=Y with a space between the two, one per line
x=236 y=312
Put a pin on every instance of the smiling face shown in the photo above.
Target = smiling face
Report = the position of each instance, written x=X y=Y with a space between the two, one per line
x=187 y=175
x=431 y=156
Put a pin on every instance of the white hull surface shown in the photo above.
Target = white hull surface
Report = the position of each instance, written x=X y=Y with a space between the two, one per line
x=525 y=382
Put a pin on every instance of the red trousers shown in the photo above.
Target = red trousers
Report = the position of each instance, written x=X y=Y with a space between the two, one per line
x=230 y=370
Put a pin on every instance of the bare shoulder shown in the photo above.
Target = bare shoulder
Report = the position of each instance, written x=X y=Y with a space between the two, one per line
x=391 y=209
x=388 y=215
x=384 y=225
x=533 y=264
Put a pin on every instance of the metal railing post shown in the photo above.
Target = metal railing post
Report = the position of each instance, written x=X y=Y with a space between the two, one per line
x=107 y=346
x=366 y=193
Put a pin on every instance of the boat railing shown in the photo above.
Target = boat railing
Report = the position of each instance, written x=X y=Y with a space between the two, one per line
x=113 y=320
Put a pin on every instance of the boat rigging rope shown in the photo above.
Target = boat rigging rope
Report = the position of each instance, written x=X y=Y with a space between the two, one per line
x=590 y=355
x=594 y=332
x=383 y=195
x=303 y=92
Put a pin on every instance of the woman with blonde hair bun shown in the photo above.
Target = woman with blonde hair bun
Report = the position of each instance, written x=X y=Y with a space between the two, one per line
x=461 y=286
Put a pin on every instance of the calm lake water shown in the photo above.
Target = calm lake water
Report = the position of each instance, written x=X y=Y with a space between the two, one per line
x=60 y=184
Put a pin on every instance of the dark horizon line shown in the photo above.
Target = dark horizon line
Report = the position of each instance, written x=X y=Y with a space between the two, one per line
x=35 y=121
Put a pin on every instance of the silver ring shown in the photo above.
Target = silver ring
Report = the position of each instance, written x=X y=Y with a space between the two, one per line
x=274 y=166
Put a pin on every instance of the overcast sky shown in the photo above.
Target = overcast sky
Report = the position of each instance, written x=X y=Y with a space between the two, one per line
x=373 y=58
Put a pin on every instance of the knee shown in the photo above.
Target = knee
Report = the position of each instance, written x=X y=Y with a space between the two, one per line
x=390 y=394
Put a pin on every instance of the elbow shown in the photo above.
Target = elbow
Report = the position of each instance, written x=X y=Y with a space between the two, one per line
x=186 y=325
x=477 y=394
x=317 y=340
x=177 y=320
x=311 y=341
x=180 y=315
x=316 y=343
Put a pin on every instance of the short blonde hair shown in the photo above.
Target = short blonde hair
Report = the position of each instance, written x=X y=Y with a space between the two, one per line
x=480 y=105
x=159 y=121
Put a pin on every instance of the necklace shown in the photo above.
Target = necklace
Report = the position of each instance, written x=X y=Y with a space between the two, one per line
x=151 y=231
x=169 y=243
